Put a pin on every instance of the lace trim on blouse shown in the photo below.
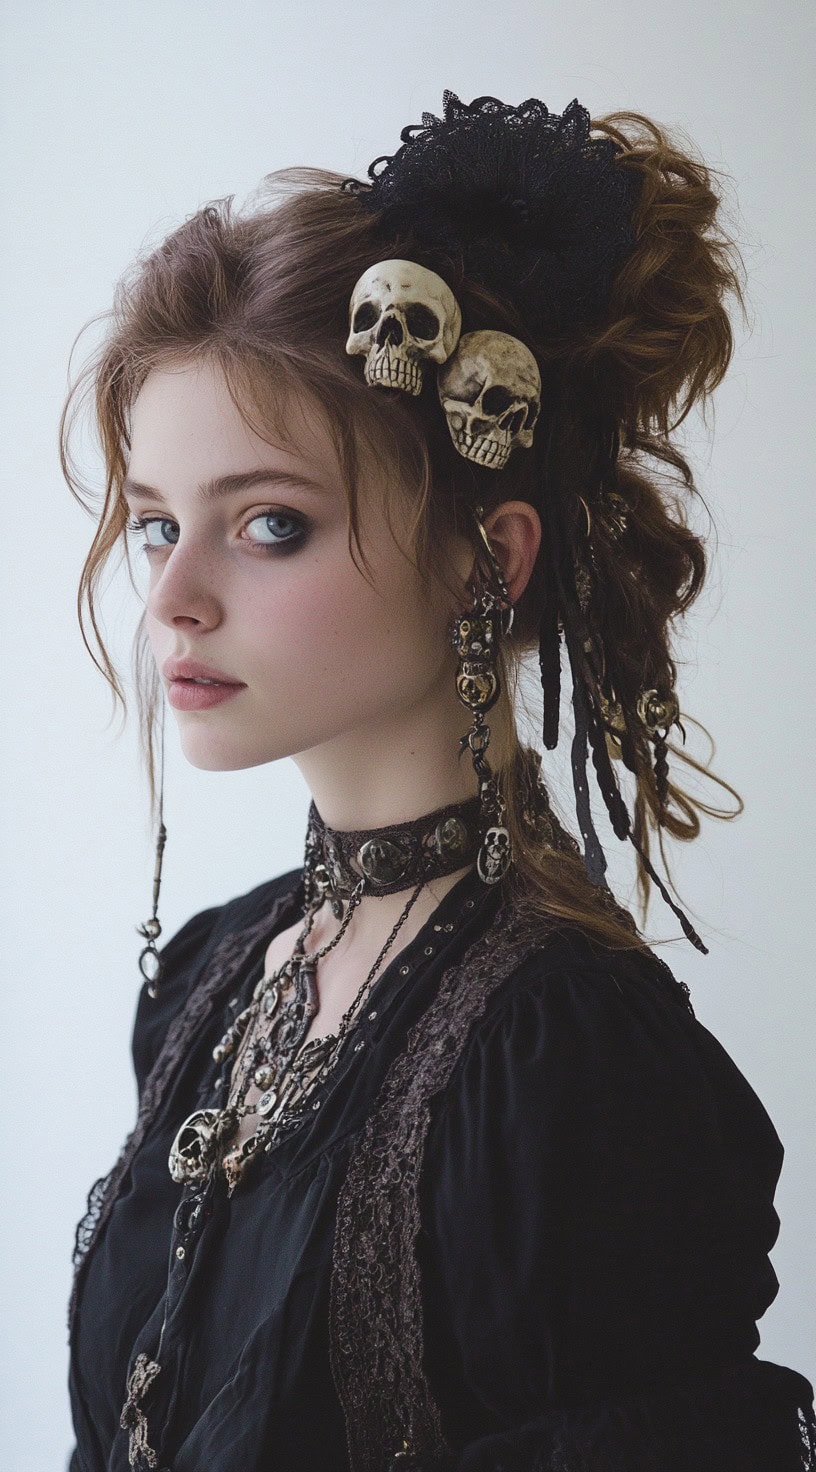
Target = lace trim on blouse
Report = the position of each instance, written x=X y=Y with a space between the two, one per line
x=376 y=1320
x=219 y=975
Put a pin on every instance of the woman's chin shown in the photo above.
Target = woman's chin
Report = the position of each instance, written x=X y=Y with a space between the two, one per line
x=209 y=754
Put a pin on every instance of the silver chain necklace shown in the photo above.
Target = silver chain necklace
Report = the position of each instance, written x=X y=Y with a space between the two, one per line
x=276 y=1060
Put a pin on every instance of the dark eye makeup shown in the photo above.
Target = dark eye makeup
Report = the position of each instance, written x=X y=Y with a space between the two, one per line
x=275 y=548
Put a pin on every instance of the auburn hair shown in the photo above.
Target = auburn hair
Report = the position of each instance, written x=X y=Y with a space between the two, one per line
x=263 y=292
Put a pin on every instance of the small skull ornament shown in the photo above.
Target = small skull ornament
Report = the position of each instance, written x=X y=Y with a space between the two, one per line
x=490 y=390
x=194 y=1149
x=402 y=315
x=494 y=855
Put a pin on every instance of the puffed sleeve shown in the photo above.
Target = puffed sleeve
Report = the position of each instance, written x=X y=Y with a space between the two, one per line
x=181 y=956
x=597 y=1207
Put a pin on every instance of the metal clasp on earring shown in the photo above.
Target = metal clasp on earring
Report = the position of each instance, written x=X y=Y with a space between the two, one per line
x=151 y=929
x=503 y=602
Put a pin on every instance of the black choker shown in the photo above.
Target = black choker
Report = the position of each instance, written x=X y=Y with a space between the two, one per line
x=395 y=857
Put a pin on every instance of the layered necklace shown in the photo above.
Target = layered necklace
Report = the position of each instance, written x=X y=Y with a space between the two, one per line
x=265 y=1045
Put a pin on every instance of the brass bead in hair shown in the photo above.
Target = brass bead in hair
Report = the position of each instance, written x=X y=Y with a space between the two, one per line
x=657 y=711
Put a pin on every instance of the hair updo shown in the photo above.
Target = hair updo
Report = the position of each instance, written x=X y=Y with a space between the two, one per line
x=264 y=291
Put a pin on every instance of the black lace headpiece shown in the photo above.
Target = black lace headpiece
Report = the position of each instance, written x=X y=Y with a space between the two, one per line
x=527 y=196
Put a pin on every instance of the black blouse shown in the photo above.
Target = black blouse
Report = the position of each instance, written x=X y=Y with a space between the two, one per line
x=594 y=1181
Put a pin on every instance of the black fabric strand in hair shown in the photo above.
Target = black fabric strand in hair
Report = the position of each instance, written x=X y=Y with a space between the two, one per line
x=549 y=635
x=594 y=856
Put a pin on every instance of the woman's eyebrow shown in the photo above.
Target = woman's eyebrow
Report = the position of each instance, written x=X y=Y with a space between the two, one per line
x=226 y=485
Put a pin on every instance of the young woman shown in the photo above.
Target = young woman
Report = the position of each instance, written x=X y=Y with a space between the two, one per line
x=434 y=1166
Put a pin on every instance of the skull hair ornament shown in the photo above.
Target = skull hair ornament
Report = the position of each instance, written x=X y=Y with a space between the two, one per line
x=402 y=316
x=490 y=390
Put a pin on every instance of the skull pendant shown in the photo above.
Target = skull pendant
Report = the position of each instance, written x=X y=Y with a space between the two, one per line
x=477 y=685
x=194 y=1149
x=494 y=855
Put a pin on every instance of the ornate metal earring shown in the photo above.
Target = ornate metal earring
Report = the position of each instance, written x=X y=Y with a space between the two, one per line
x=475 y=636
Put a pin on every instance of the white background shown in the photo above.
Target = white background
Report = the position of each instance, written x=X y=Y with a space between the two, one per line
x=118 y=121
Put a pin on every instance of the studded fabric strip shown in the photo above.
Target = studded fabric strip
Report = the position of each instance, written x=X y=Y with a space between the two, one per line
x=226 y=959
x=376 y=1328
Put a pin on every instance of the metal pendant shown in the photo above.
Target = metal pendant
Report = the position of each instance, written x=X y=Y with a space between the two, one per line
x=476 y=685
x=236 y=1162
x=267 y=1102
x=494 y=856
x=194 y=1149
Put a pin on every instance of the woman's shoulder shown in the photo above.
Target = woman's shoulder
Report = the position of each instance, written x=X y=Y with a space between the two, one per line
x=591 y=1054
x=567 y=950
x=565 y=979
x=597 y=1188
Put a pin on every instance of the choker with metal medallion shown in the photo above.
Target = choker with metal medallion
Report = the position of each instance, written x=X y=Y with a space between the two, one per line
x=393 y=857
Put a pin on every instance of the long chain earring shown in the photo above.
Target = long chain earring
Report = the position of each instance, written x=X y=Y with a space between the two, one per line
x=475 y=636
x=150 y=962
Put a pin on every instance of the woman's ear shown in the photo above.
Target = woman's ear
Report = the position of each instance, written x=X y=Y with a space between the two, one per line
x=514 y=530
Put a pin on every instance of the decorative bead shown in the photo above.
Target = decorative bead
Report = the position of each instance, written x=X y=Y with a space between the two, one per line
x=372 y=1014
x=429 y=950
x=150 y=966
x=655 y=710
x=267 y=1103
x=358 y=1046
x=180 y=1253
x=316 y=1104
x=264 y=1076
x=404 y=970
x=151 y=929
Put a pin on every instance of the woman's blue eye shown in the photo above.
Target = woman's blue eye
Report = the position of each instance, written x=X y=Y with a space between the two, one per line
x=277 y=540
x=275 y=545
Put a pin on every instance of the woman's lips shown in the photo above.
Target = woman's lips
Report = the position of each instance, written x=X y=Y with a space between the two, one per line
x=188 y=695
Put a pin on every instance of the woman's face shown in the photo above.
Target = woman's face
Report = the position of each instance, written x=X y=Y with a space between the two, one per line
x=260 y=584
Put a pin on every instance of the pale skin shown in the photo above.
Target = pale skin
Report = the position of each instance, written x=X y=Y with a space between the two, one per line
x=355 y=683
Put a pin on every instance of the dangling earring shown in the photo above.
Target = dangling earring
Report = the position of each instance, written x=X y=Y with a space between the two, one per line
x=474 y=636
x=151 y=930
